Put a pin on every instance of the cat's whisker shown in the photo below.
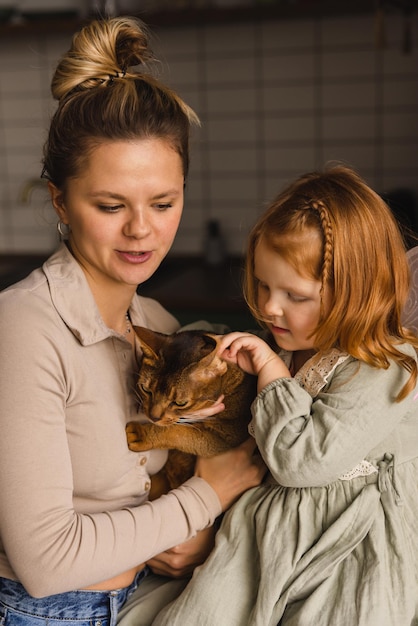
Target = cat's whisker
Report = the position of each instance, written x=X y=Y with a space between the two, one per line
x=187 y=420
x=194 y=420
x=192 y=425
x=140 y=401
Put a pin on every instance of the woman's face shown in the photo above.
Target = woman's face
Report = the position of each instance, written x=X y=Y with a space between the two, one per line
x=123 y=209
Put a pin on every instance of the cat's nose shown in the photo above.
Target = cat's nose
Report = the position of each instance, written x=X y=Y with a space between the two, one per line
x=158 y=419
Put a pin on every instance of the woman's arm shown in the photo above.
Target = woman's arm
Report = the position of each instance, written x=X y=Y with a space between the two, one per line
x=182 y=559
x=41 y=530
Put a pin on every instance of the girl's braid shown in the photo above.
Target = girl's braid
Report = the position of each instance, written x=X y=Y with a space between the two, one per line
x=320 y=208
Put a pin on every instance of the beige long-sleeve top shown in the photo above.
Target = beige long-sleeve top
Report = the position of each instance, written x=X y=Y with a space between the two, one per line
x=73 y=498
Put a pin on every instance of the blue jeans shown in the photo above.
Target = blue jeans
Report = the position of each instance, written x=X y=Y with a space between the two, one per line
x=74 y=608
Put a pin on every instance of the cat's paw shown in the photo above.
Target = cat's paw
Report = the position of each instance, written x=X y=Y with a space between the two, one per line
x=135 y=435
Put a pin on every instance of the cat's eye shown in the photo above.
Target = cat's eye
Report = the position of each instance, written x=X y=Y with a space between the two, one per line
x=142 y=387
x=181 y=405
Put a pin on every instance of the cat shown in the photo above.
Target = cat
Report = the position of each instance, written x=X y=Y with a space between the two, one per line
x=179 y=374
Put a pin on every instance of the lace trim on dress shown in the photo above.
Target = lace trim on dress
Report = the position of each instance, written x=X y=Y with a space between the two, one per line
x=315 y=373
x=364 y=468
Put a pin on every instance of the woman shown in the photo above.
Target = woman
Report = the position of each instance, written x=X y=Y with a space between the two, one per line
x=76 y=527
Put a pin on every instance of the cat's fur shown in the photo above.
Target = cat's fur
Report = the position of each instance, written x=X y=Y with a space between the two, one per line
x=179 y=374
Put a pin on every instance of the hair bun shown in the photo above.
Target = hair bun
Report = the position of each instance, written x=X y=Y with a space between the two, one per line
x=101 y=49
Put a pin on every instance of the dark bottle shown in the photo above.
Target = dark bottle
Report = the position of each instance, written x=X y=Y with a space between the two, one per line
x=215 y=252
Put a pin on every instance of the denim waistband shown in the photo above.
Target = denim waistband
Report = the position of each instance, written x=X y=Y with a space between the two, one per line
x=80 y=604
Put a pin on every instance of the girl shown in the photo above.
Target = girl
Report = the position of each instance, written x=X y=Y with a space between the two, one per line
x=76 y=527
x=331 y=537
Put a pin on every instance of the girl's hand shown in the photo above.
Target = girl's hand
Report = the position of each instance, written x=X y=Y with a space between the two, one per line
x=232 y=472
x=254 y=356
x=181 y=560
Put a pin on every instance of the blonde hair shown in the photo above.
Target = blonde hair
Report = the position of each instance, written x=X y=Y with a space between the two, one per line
x=332 y=227
x=106 y=91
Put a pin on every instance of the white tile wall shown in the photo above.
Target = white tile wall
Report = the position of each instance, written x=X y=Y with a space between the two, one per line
x=276 y=98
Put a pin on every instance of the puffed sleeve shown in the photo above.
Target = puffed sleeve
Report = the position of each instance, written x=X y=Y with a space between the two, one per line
x=310 y=442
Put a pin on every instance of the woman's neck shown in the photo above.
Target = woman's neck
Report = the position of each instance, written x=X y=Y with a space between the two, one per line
x=113 y=301
x=115 y=312
x=112 y=298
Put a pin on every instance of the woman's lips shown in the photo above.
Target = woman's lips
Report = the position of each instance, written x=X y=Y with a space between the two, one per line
x=134 y=257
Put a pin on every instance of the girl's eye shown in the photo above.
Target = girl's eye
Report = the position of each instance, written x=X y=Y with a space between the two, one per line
x=295 y=298
x=163 y=206
x=262 y=286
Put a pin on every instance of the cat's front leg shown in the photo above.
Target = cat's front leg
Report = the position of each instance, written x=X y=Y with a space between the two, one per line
x=137 y=435
x=142 y=437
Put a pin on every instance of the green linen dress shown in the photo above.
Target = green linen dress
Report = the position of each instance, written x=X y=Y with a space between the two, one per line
x=331 y=538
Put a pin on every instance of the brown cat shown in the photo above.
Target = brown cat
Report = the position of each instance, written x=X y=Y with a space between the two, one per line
x=179 y=374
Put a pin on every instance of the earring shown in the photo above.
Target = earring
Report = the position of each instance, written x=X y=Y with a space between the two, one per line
x=63 y=229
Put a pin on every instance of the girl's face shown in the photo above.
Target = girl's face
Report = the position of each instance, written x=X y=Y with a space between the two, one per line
x=288 y=302
x=123 y=209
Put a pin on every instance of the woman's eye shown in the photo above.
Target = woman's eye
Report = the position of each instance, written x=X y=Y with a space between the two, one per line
x=110 y=208
x=163 y=206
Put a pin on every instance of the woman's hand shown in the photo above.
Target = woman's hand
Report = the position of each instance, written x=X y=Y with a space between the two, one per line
x=232 y=472
x=254 y=356
x=181 y=560
x=202 y=414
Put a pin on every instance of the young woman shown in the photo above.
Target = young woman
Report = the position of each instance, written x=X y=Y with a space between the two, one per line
x=76 y=527
x=331 y=538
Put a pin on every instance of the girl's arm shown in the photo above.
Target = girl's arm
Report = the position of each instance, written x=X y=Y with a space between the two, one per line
x=311 y=442
x=254 y=356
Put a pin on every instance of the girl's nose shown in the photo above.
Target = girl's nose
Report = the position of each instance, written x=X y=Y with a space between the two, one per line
x=273 y=308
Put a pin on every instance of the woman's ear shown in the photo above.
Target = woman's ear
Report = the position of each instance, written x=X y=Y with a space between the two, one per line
x=57 y=199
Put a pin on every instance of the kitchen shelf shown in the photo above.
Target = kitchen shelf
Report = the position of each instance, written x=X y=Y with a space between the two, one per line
x=210 y=15
x=186 y=286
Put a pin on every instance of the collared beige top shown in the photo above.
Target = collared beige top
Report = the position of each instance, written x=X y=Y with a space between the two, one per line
x=73 y=498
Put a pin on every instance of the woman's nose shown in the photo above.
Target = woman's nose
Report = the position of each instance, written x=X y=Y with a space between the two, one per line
x=137 y=225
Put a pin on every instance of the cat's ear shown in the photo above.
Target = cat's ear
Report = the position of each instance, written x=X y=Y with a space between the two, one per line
x=211 y=366
x=150 y=340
